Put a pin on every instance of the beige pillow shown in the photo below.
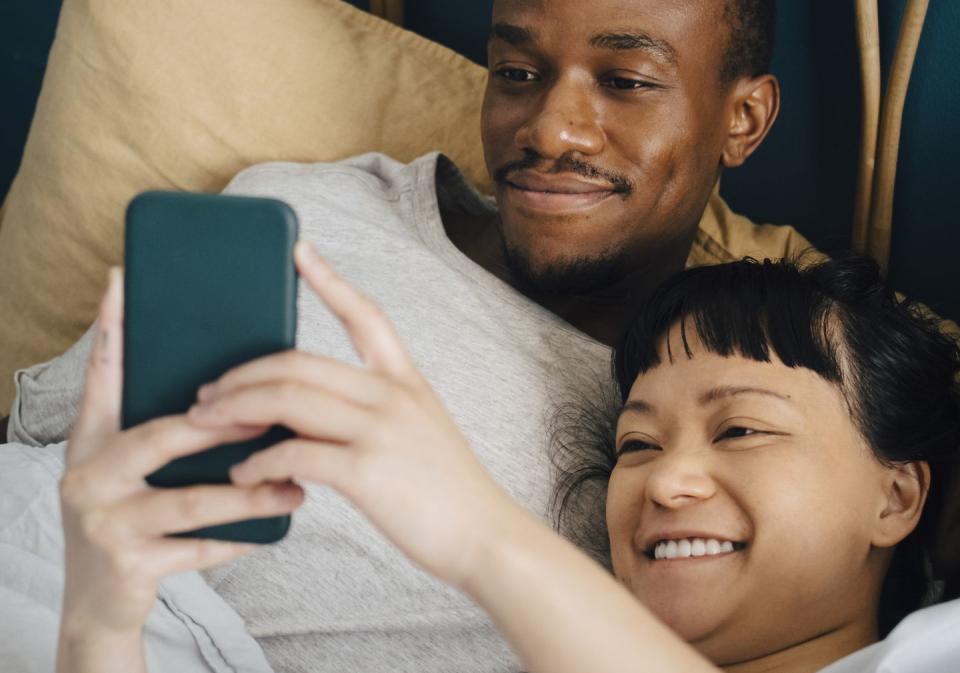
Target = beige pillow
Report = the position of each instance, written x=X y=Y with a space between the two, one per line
x=181 y=94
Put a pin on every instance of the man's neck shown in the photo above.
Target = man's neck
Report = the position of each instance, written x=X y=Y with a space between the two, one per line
x=602 y=315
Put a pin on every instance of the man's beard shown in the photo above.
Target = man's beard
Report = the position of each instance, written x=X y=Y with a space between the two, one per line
x=574 y=276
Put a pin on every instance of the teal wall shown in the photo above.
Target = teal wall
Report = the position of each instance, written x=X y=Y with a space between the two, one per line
x=926 y=228
x=462 y=26
x=26 y=32
x=805 y=172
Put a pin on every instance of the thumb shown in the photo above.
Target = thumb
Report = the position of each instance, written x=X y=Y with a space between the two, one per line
x=100 y=404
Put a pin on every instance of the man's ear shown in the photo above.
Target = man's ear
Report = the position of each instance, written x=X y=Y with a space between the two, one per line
x=905 y=489
x=755 y=104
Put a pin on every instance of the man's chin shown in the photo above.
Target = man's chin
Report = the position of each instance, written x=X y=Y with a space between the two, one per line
x=572 y=276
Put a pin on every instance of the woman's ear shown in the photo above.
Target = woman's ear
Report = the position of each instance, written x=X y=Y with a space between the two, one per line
x=905 y=489
x=755 y=104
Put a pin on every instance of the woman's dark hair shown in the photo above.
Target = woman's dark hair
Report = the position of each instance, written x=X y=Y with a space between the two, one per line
x=895 y=368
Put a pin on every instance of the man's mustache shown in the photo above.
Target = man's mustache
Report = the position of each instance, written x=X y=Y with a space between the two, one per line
x=620 y=183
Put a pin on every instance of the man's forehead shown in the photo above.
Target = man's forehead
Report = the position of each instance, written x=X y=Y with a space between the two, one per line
x=594 y=19
x=606 y=8
x=616 y=38
x=655 y=27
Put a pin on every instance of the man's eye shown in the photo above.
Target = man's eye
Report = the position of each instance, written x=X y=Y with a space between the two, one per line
x=736 y=432
x=635 y=446
x=627 y=84
x=516 y=74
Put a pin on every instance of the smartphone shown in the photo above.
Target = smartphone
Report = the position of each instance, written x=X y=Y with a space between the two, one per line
x=209 y=284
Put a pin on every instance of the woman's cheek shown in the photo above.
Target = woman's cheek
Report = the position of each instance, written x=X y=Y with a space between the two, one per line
x=623 y=509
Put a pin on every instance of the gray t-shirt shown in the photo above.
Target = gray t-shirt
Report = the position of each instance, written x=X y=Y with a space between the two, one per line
x=333 y=595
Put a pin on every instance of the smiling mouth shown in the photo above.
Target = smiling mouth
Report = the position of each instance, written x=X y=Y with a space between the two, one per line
x=558 y=200
x=688 y=548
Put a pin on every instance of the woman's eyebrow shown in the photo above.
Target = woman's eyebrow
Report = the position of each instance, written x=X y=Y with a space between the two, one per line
x=723 y=392
x=713 y=395
x=637 y=407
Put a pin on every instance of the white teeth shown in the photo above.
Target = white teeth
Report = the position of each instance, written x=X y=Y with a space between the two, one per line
x=672 y=549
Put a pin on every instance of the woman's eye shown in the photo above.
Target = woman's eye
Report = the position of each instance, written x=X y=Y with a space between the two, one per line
x=636 y=445
x=736 y=432
x=516 y=74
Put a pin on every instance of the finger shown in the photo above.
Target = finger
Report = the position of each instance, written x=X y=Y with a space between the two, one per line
x=302 y=459
x=132 y=455
x=372 y=333
x=178 y=555
x=305 y=410
x=338 y=378
x=159 y=512
x=100 y=404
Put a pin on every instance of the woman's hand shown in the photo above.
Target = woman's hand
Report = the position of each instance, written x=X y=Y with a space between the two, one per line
x=115 y=525
x=378 y=434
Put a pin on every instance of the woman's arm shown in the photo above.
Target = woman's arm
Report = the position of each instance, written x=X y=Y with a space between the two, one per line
x=381 y=436
x=563 y=613
x=83 y=648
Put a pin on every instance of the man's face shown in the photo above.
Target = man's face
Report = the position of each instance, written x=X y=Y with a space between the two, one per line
x=603 y=125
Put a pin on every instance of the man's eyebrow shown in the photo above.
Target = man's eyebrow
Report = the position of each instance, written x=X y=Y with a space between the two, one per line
x=518 y=36
x=722 y=392
x=635 y=39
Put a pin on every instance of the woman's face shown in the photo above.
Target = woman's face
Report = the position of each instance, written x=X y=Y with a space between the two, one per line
x=752 y=483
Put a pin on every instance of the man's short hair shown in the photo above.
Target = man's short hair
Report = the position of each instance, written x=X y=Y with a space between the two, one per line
x=749 y=50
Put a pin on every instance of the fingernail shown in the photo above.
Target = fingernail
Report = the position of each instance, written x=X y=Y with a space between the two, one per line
x=206 y=392
x=236 y=473
x=308 y=254
x=304 y=250
x=116 y=278
x=203 y=411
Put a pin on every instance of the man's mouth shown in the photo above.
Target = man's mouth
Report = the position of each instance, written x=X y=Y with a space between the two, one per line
x=557 y=193
x=686 y=548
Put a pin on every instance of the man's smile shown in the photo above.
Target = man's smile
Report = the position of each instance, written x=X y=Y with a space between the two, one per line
x=535 y=191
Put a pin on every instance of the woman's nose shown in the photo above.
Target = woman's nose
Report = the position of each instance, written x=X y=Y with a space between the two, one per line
x=680 y=480
x=566 y=122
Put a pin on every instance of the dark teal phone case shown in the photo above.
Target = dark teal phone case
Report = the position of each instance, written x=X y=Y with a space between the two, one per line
x=209 y=284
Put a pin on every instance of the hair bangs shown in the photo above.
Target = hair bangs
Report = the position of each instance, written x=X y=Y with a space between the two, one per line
x=728 y=310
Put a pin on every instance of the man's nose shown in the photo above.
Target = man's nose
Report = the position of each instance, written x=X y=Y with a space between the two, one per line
x=565 y=122
x=680 y=479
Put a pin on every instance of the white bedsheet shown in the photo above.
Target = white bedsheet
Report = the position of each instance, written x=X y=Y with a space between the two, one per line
x=928 y=641
x=192 y=630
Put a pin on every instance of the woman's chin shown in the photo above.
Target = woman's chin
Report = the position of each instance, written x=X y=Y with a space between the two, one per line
x=694 y=620
x=695 y=630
